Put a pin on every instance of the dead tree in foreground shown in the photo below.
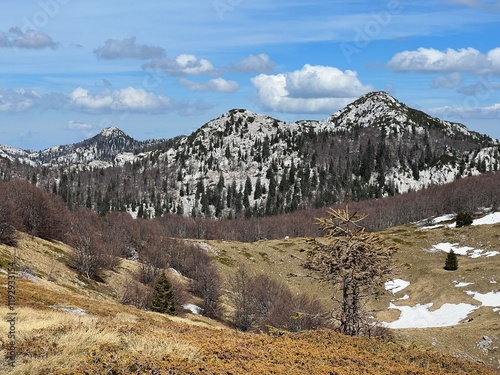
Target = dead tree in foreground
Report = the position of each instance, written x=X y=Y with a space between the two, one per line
x=355 y=261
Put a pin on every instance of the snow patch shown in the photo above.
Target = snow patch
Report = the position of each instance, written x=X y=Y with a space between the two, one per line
x=461 y=284
x=462 y=250
x=493 y=218
x=446 y=247
x=396 y=285
x=193 y=308
x=491 y=299
x=419 y=316
x=443 y=218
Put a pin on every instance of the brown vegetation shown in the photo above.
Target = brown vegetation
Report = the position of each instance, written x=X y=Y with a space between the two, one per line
x=119 y=339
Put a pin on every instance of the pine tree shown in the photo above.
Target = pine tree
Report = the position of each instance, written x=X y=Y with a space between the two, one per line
x=451 y=263
x=354 y=261
x=463 y=219
x=163 y=296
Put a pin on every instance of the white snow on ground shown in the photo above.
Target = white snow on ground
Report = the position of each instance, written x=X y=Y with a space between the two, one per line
x=419 y=316
x=193 y=308
x=491 y=299
x=396 y=285
x=446 y=247
x=427 y=227
x=492 y=218
x=461 y=284
x=440 y=219
x=489 y=219
x=437 y=222
x=463 y=250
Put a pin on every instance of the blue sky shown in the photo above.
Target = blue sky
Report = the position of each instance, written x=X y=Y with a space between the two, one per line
x=158 y=69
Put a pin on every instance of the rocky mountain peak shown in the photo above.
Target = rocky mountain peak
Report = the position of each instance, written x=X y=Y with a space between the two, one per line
x=372 y=109
x=112 y=132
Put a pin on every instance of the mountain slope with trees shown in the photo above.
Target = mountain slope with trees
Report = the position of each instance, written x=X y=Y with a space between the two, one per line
x=244 y=164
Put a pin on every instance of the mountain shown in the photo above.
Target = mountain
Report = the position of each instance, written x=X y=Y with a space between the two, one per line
x=98 y=150
x=381 y=110
x=247 y=164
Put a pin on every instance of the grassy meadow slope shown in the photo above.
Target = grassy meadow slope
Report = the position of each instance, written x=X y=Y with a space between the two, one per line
x=69 y=325
x=415 y=263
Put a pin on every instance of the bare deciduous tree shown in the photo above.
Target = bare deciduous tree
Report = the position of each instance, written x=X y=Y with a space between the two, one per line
x=208 y=286
x=89 y=256
x=260 y=302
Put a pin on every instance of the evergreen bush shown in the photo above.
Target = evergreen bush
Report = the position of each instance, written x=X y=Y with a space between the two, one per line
x=163 y=296
x=463 y=219
x=451 y=263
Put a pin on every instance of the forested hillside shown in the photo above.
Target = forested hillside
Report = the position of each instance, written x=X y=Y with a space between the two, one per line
x=243 y=164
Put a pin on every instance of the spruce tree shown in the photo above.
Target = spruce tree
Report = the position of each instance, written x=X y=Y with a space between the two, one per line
x=451 y=263
x=463 y=219
x=356 y=262
x=163 y=296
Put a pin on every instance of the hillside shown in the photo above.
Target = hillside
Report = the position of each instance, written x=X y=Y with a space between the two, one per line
x=68 y=324
x=452 y=311
x=244 y=164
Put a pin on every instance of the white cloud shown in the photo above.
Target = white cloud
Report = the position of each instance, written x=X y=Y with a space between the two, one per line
x=127 y=48
x=430 y=60
x=129 y=99
x=468 y=109
x=18 y=100
x=260 y=63
x=182 y=64
x=216 y=84
x=77 y=125
x=312 y=89
x=29 y=39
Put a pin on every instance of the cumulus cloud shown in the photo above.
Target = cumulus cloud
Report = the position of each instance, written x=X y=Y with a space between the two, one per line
x=127 y=48
x=30 y=39
x=127 y=99
x=430 y=60
x=182 y=64
x=216 y=84
x=260 y=63
x=312 y=89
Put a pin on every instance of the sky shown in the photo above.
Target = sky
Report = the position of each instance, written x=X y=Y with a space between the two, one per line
x=159 y=69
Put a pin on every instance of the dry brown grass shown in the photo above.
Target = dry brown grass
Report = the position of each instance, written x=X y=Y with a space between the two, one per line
x=113 y=338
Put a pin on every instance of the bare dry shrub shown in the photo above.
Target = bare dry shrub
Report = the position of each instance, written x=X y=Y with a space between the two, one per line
x=137 y=294
x=8 y=234
x=33 y=210
x=89 y=255
x=262 y=303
